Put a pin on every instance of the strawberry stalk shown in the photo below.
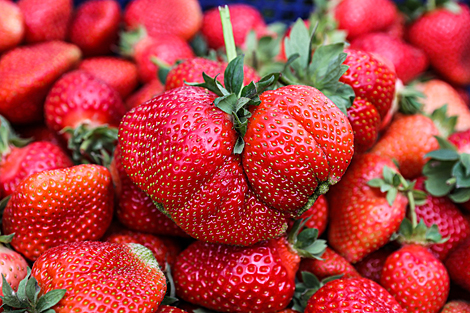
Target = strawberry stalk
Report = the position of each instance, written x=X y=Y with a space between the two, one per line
x=229 y=40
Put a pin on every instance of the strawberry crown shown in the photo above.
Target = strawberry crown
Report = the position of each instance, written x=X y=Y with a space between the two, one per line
x=413 y=9
x=9 y=138
x=306 y=242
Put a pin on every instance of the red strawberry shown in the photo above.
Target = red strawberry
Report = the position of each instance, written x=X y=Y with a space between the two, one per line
x=317 y=215
x=456 y=307
x=135 y=208
x=169 y=309
x=120 y=74
x=257 y=278
x=417 y=279
x=440 y=33
x=191 y=71
x=365 y=121
x=360 y=17
x=46 y=20
x=409 y=61
x=95 y=25
x=57 y=206
x=458 y=263
x=352 y=295
x=444 y=213
x=11 y=25
x=371 y=266
x=145 y=93
x=181 y=18
x=244 y=18
x=361 y=218
x=102 y=276
x=398 y=28
x=407 y=140
x=331 y=264
x=26 y=75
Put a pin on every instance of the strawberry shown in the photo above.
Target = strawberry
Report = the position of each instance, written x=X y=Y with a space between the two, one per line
x=95 y=25
x=85 y=111
x=362 y=219
x=352 y=295
x=398 y=28
x=160 y=251
x=416 y=278
x=457 y=264
x=365 y=121
x=46 y=20
x=145 y=50
x=371 y=266
x=38 y=132
x=244 y=18
x=26 y=75
x=101 y=276
x=78 y=206
x=244 y=279
x=120 y=74
x=19 y=159
x=456 y=307
x=438 y=93
x=169 y=309
x=331 y=264
x=360 y=17
x=11 y=25
x=316 y=216
x=440 y=33
x=146 y=92
x=135 y=209
x=181 y=18
x=191 y=70
x=409 y=62
x=407 y=140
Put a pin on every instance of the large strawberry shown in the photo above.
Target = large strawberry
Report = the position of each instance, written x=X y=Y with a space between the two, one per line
x=11 y=25
x=57 y=206
x=458 y=264
x=258 y=278
x=26 y=75
x=92 y=276
x=444 y=35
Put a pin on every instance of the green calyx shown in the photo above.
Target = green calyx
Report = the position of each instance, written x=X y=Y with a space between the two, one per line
x=305 y=289
x=27 y=298
x=128 y=40
x=444 y=123
x=418 y=234
x=305 y=242
x=448 y=172
x=321 y=70
x=92 y=144
x=9 y=138
x=413 y=9
x=410 y=99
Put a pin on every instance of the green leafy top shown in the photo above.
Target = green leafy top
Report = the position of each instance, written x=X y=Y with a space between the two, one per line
x=413 y=9
x=9 y=138
x=305 y=289
x=28 y=298
x=129 y=39
x=306 y=242
x=321 y=70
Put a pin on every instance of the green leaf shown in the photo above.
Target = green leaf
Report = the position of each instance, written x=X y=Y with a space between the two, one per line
x=6 y=238
x=343 y=97
x=438 y=174
x=306 y=238
x=50 y=299
x=433 y=235
x=212 y=84
x=297 y=43
x=21 y=291
x=459 y=172
x=267 y=81
x=465 y=159
x=376 y=182
x=460 y=195
x=227 y=103
x=406 y=228
x=388 y=174
x=443 y=155
x=310 y=280
x=234 y=75
x=249 y=90
x=445 y=144
x=452 y=7
x=9 y=296
x=32 y=289
x=239 y=146
x=391 y=196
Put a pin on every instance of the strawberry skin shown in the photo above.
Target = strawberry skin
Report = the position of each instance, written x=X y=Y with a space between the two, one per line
x=417 y=279
x=365 y=121
x=26 y=75
x=361 y=220
x=13 y=266
x=456 y=307
x=95 y=25
x=458 y=263
x=445 y=37
x=57 y=206
x=259 y=278
x=11 y=26
x=317 y=215
x=352 y=295
x=169 y=309
x=102 y=276
x=371 y=266
x=33 y=158
x=145 y=93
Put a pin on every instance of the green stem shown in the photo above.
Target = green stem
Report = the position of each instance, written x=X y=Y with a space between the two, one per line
x=431 y=5
x=228 y=33
x=411 y=203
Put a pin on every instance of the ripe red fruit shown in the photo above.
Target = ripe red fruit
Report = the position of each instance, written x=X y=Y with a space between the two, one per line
x=456 y=307
x=458 y=263
x=114 y=277
x=445 y=37
x=181 y=18
x=417 y=279
x=317 y=215
x=352 y=295
x=371 y=266
x=146 y=92
x=57 y=206
x=26 y=75
x=46 y=20
x=169 y=309
x=11 y=25
x=95 y=25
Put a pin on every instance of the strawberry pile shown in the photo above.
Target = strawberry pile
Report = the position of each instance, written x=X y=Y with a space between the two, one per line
x=155 y=157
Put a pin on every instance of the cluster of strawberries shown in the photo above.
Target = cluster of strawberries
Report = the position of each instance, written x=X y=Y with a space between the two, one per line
x=157 y=158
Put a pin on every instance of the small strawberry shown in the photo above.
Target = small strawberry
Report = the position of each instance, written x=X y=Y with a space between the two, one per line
x=409 y=62
x=360 y=17
x=416 y=278
x=146 y=92
x=57 y=206
x=442 y=32
x=371 y=266
x=95 y=25
x=244 y=279
x=122 y=75
x=458 y=263
x=244 y=18
x=456 y=307
x=11 y=25
x=46 y=20
x=26 y=75
x=182 y=18
x=316 y=216
x=352 y=295
x=190 y=71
